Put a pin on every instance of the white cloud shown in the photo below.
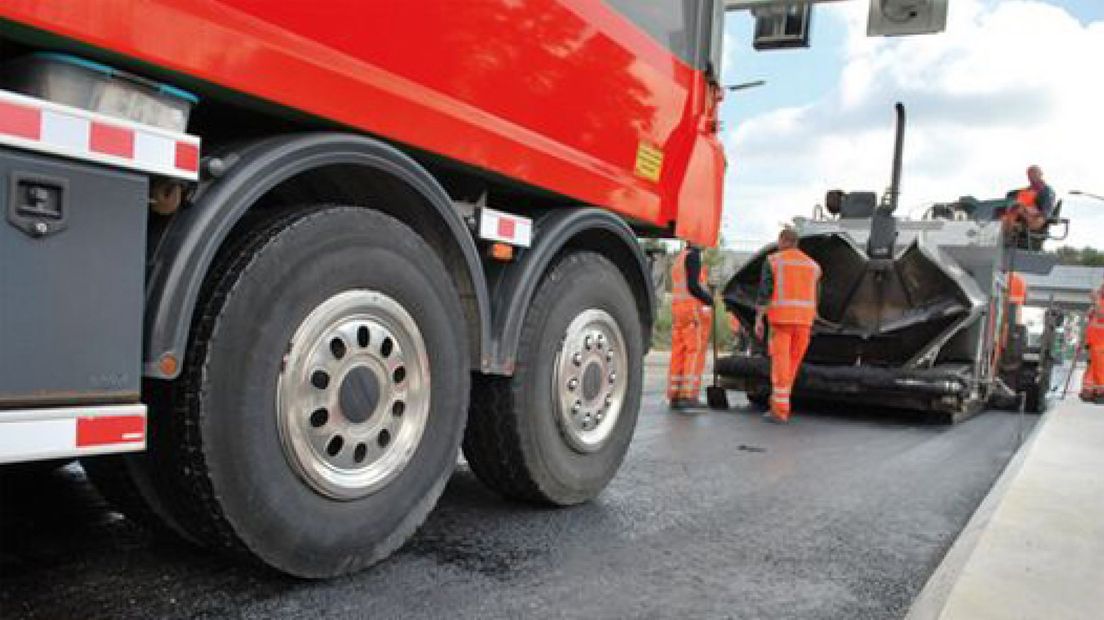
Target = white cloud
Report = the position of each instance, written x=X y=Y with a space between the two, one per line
x=730 y=50
x=1008 y=84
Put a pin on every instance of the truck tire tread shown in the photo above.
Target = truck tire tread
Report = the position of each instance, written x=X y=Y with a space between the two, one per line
x=492 y=441
x=202 y=512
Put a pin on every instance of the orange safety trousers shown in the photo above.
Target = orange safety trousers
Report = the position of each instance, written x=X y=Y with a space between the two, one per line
x=1092 y=383
x=689 y=340
x=788 y=344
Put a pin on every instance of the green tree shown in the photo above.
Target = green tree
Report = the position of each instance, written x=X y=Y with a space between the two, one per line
x=1086 y=256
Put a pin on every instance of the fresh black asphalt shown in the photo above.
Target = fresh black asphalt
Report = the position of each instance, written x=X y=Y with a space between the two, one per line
x=841 y=514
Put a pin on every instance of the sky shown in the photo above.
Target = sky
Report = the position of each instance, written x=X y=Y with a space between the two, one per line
x=1009 y=83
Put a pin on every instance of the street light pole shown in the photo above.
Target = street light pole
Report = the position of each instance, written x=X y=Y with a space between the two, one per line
x=1077 y=192
x=746 y=85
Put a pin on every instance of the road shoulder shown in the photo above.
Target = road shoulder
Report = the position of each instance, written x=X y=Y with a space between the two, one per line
x=1035 y=546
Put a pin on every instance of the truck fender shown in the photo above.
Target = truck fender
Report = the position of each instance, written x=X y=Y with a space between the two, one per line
x=186 y=251
x=554 y=232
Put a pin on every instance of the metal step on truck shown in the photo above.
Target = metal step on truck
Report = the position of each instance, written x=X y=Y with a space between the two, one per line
x=266 y=266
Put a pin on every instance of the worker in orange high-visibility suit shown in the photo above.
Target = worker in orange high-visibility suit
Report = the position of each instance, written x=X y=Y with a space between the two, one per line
x=1031 y=205
x=788 y=296
x=1017 y=297
x=691 y=314
x=1017 y=290
x=1092 y=383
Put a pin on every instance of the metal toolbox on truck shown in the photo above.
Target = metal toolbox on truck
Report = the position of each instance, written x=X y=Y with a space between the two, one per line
x=72 y=257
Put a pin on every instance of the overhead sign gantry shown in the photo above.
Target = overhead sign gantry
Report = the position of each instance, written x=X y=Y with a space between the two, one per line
x=782 y=24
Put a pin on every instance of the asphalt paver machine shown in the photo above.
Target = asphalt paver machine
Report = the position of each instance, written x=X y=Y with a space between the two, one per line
x=913 y=314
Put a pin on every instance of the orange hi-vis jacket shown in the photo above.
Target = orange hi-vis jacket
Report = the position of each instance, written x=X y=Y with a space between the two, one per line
x=1017 y=289
x=1094 y=331
x=795 y=277
x=1028 y=197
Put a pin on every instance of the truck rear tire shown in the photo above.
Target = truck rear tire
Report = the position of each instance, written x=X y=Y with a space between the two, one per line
x=322 y=403
x=557 y=431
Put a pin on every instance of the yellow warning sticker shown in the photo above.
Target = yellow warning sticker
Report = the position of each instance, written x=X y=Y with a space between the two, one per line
x=649 y=162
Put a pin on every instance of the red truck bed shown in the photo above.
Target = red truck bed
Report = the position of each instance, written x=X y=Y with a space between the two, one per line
x=565 y=95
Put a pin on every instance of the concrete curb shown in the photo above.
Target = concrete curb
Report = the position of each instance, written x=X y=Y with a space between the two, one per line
x=933 y=597
x=1035 y=546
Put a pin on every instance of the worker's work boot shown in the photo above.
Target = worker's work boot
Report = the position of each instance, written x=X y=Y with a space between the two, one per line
x=685 y=403
x=774 y=419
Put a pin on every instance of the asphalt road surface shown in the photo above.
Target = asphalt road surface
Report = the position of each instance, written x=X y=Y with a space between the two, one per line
x=841 y=514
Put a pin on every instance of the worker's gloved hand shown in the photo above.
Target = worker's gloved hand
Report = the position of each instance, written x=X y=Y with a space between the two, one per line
x=759 y=329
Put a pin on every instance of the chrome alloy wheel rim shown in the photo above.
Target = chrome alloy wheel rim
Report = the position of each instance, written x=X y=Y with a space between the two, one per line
x=591 y=380
x=353 y=394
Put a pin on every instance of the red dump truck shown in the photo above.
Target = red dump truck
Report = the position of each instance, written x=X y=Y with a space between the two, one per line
x=266 y=266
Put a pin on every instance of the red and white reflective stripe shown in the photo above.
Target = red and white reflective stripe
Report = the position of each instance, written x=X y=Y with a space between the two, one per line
x=505 y=227
x=46 y=127
x=36 y=434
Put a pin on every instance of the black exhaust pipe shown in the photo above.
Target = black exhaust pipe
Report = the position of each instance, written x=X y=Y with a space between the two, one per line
x=898 y=147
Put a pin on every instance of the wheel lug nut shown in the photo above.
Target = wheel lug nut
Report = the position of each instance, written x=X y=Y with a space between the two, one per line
x=573 y=384
x=588 y=343
x=609 y=355
x=576 y=408
x=577 y=359
x=612 y=377
x=601 y=340
x=609 y=401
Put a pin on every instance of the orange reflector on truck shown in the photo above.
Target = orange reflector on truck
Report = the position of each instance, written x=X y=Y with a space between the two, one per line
x=502 y=252
x=168 y=365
